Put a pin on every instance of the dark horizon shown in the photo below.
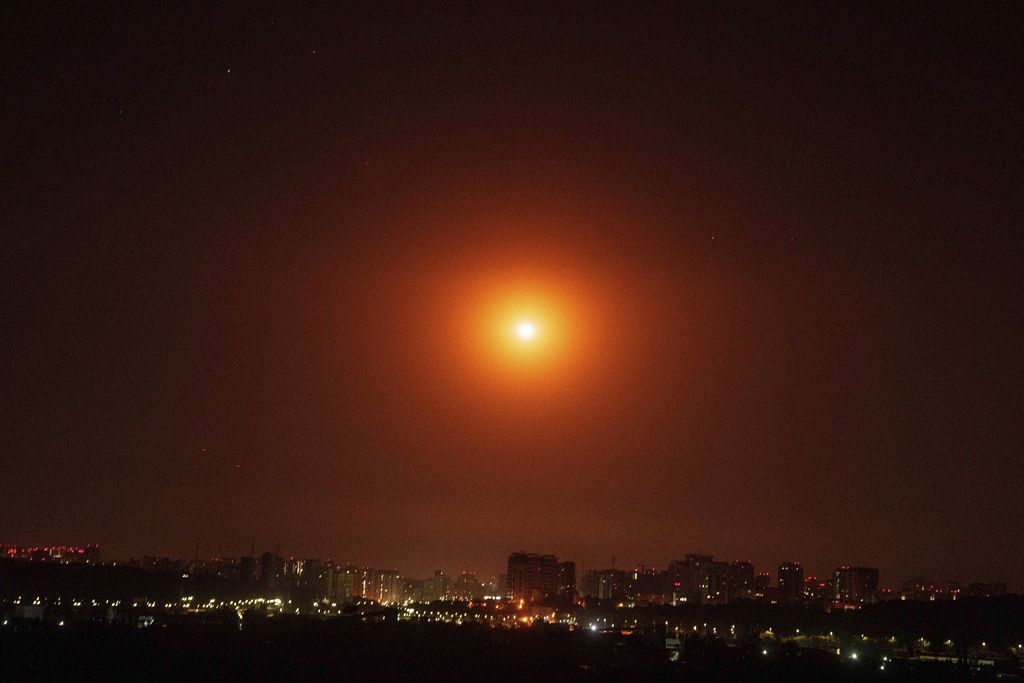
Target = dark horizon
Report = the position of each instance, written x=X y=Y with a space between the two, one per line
x=258 y=262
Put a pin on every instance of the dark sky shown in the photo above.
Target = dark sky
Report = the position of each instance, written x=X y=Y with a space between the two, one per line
x=249 y=254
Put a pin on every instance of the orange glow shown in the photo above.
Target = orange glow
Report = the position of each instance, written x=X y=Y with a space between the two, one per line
x=527 y=331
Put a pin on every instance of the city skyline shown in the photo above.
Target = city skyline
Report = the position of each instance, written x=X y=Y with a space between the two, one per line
x=773 y=576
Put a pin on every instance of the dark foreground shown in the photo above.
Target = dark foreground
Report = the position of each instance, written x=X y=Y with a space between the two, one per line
x=288 y=648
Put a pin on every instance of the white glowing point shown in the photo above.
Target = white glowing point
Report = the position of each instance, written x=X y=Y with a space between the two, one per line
x=526 y=330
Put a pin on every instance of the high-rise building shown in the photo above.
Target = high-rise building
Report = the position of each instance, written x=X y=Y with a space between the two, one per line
x=531 y=577
x=565 y=585
x=698 y=579
x=310 y=577
x=438 y=586
x=466 y=586
x=224 y=567
x=646 y=584
x=855 y=584
x=383 y=585
x=817 y=591
x=62 y=554
x=675 y=583
x=791 y=581
x=291 y=572
x=412 y=590
x=322 y=582
x=247 y=570
x=762 y=585
x=347 y=583
x=741 y=580
x=496 y=586
x=271 y=566
x=920 y=588
x=713 y=582
x=605 y=584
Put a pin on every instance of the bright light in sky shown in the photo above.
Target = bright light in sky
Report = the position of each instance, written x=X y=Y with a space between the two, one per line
x=528 y=333
x=526 y=330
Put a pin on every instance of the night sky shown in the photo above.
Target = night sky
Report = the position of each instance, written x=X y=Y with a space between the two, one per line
x=256 y=259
